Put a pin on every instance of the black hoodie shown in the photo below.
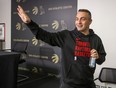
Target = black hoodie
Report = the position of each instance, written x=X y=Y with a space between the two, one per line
x=75 y=53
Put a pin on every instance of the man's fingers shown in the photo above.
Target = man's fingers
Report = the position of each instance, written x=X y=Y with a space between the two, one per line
x=23 y=15
x=20 y=10
x=93 y=51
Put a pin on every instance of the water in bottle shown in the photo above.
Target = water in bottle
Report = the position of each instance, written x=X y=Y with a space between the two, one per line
x=92 y=62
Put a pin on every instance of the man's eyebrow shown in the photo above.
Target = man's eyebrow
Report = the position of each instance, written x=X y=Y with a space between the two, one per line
x=81 y=17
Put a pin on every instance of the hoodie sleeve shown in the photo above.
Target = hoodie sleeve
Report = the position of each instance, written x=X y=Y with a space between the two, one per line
x=101 y=52
x=54 y=39
x=96 y=43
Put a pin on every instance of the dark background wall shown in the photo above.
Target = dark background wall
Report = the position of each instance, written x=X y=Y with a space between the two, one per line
x=52 y=16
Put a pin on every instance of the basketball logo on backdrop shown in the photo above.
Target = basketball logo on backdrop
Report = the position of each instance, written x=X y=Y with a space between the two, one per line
x=35 y=10
x=55 y=58
x=55 y=25
x=34 y=41
x=39 y=10
x=18 y=26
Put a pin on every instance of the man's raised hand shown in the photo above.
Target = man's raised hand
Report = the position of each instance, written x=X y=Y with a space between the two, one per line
x=25 y=18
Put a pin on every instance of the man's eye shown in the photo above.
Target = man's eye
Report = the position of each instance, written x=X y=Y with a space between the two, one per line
x=83 y=19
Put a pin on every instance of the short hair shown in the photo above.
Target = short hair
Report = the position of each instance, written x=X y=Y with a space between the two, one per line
x=85 y=10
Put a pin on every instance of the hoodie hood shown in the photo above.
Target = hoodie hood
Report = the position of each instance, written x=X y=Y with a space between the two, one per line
x=78 y=33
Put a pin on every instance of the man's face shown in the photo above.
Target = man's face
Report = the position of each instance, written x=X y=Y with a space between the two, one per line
x=82 y=21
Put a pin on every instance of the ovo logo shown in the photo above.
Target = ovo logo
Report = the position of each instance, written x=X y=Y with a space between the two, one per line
x=55 y=58
x=41 y=10
x=55 y=25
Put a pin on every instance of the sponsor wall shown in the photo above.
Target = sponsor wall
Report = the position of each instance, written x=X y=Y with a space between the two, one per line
x=52 y=16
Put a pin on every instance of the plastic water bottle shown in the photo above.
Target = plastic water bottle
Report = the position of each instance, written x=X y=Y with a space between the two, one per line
x=92 y=62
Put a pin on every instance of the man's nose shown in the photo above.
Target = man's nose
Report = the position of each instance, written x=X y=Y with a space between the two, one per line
x=79 y=21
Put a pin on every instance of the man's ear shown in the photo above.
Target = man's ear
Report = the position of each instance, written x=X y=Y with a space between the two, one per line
x=90 y=21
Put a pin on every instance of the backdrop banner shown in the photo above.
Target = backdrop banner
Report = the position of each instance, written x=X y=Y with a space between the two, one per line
x=52 y=16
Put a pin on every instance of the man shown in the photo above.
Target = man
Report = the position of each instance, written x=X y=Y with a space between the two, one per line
x=77 y=47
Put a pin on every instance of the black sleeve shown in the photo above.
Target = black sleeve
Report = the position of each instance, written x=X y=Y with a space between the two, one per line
x=54 y=39
x=101 y=52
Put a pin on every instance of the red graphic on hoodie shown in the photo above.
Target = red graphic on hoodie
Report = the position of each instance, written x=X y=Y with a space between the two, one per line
x=82 y=48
